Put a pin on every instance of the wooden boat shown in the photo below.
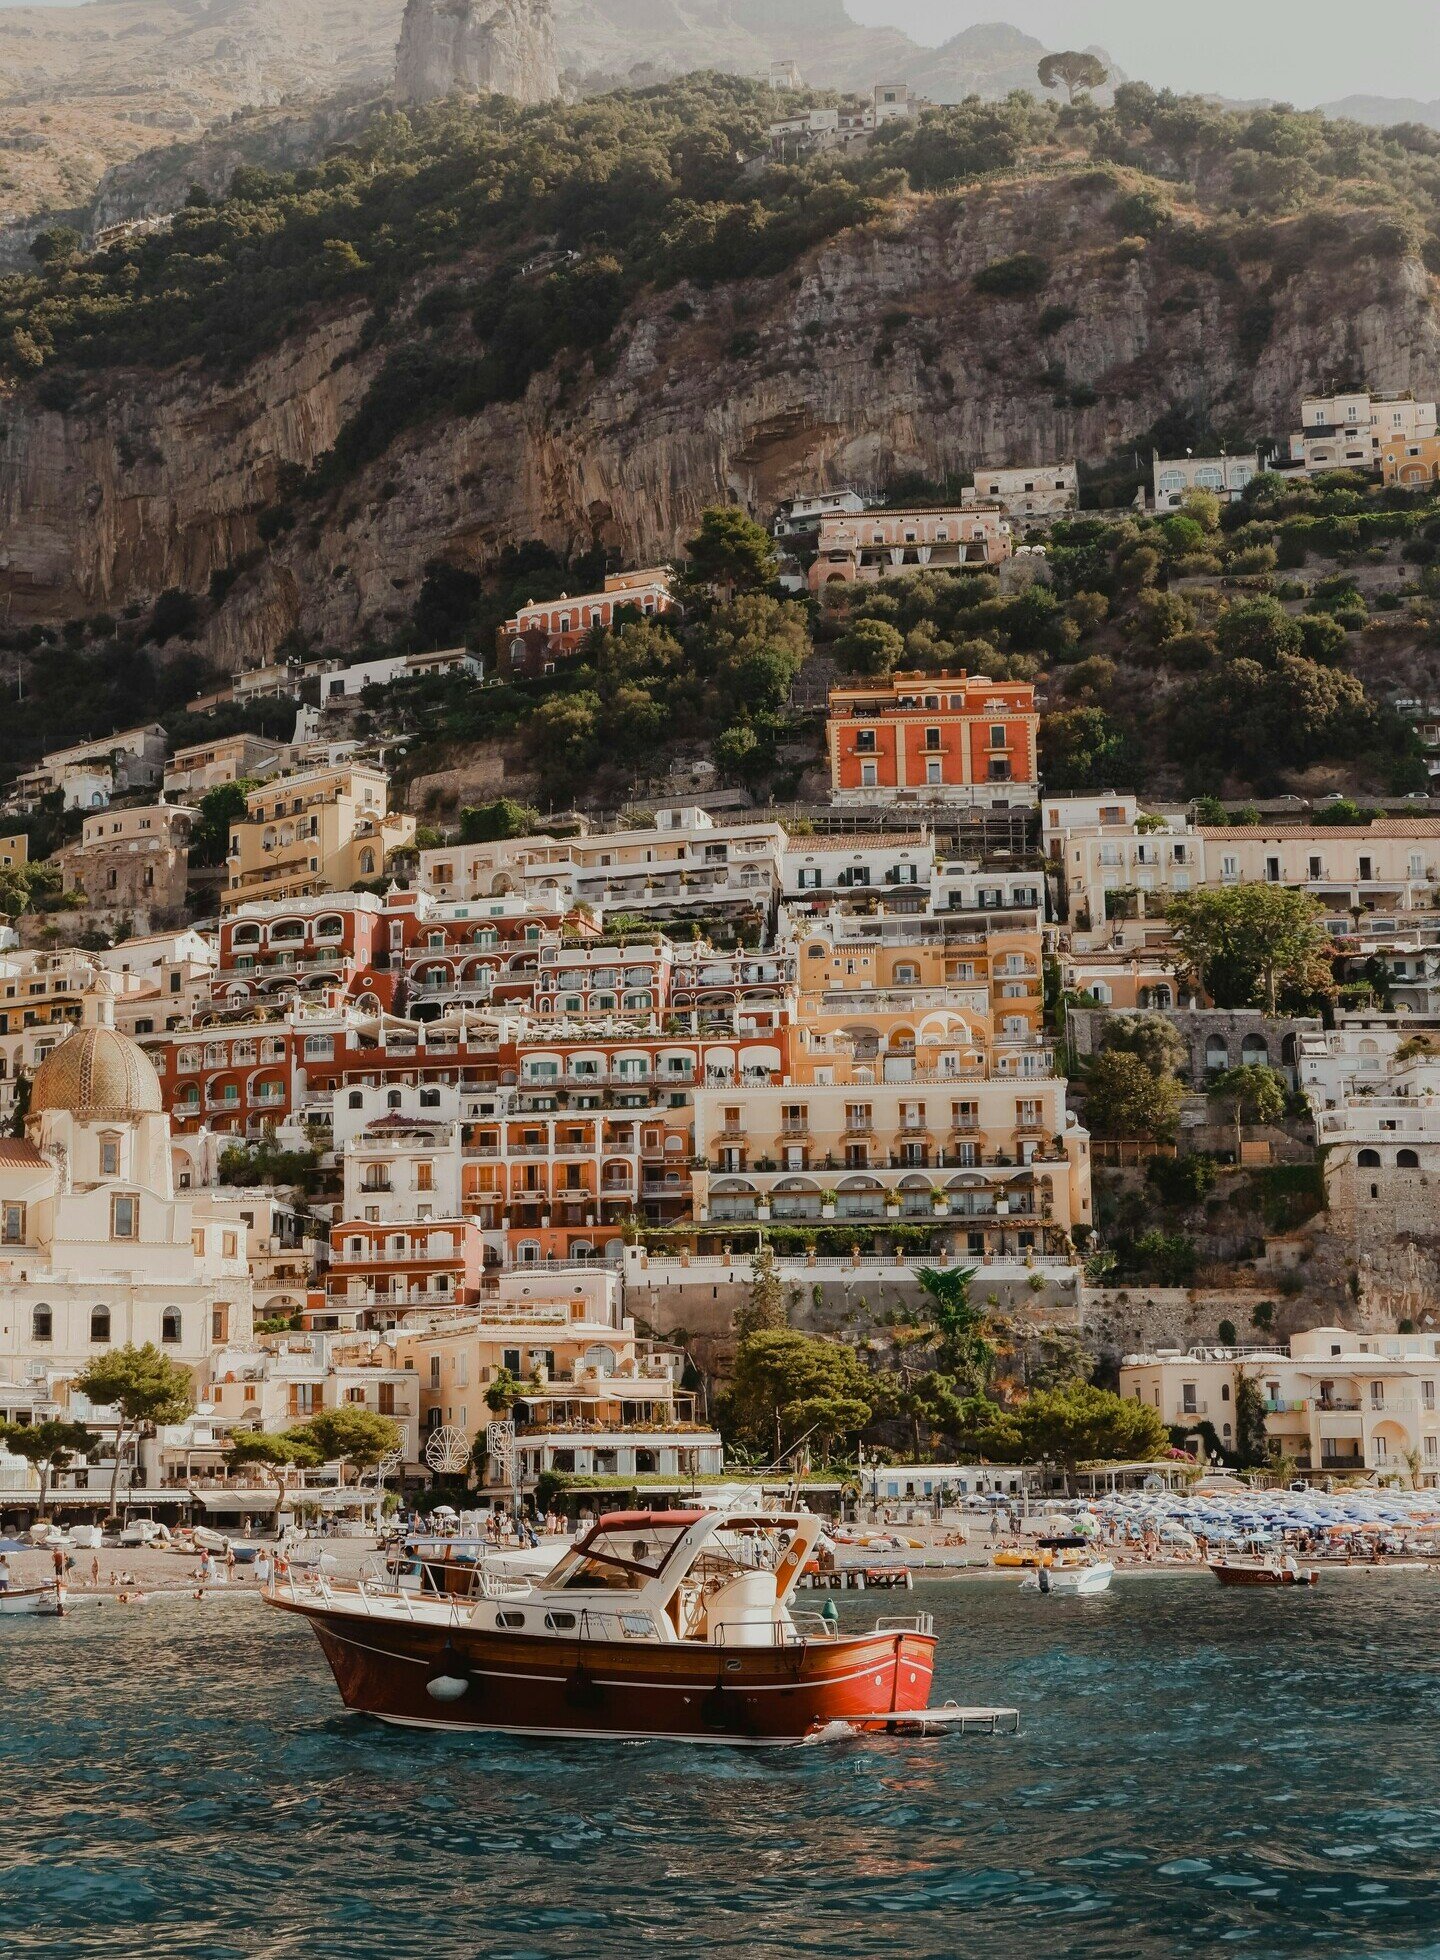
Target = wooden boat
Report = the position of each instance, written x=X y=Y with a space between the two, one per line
x=669 y=1624
x=47 y=1599
x=1263 y=1572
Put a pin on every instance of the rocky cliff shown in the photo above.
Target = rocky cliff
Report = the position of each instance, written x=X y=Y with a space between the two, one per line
x=479 y=47
x=85 y=88
x=874 y=358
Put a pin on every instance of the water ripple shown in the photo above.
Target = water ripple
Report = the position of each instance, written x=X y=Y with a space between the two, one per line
x=1198 y=1769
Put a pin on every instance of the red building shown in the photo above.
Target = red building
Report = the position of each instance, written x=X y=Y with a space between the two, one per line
x=384 y=1270
x=549 y=630
x=933 y=738
x=334 y=945
x=407 y=952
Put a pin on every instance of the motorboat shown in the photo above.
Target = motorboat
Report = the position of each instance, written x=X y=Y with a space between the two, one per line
x=656 y=1624
x=1285 y=1571
x=147 y=1534
x=48 y=1599
x=1071 y=1569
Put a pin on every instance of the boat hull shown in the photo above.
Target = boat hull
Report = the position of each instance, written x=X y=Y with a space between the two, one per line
x=1262 y=1575
x=518 y=1684
x=32 y=1600
x=1071 y=1582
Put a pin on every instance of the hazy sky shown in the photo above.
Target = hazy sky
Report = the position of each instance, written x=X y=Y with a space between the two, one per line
x=1306 y=51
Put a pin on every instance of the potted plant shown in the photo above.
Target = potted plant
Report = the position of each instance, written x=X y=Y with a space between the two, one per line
x=828 y=1202
x=940 y=1202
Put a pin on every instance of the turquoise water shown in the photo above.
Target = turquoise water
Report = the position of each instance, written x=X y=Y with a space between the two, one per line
x=1198 y=1771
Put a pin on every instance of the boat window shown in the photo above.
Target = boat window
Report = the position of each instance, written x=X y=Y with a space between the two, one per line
x=618 y=1561
x=511 y=1619
x=559 y=1622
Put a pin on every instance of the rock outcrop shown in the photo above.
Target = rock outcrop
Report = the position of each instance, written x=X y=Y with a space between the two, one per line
x=477 y=47
x=874 y=358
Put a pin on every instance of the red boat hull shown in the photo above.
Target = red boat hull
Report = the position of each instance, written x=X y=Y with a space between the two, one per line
x=521 y=1684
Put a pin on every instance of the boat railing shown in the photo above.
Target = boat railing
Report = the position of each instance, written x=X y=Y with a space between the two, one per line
x=906 y=1623
x=500 y=1585
x=814 y=1626
x=752 y=1633
x=610 y=1626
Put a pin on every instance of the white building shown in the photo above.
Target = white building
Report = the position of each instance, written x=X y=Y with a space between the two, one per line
x=1224 y=476
x=1339 y=1403
x=686 y=862
x=348 y=683
x=88 y=774
x=1348 y=431
x=96 y=1250
x=1028 y=490
x=896 y=865
x=801 y=516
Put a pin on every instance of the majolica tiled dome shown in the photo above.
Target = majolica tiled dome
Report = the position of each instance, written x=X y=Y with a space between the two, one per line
x=97 y=1072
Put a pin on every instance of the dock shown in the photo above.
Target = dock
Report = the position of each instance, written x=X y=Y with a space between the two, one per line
x=858 y=1578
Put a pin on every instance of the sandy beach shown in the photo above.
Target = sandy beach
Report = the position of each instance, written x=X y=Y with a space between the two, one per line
x=152 y=1571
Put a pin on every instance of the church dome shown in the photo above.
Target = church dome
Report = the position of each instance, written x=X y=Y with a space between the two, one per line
x=97 y=1072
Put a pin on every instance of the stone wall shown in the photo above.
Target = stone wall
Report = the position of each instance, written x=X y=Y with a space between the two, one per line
x=1246 y=1035
x=1120 y=1320
x=699 y=1298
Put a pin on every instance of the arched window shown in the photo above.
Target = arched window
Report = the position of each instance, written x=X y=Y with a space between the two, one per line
x=170 y=1326
x=1407 y=1160
x=357 y=1099
x=392 y=1099
x=99 y=1323
x=429 y=1098
x=1369 y=1159
x=42 y=1324
x=367 y=864
x=1254 y=1051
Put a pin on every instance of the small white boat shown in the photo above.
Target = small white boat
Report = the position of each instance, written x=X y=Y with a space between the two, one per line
x=1073 y=1572
x=48 y=1599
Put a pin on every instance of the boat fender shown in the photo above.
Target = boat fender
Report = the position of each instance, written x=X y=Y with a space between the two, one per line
x=582 y=1690
x=1044 y=1577
x=447 y=1687
x=714 y=1710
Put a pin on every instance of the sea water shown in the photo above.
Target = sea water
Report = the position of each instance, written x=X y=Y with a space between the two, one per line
x=1197 y=1771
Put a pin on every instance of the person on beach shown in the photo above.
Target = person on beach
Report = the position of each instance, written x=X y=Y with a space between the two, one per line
x=4 y=1573
x=95 y=1569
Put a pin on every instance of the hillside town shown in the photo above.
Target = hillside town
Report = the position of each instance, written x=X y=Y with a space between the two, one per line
x=719 y=893
x=523 y=1119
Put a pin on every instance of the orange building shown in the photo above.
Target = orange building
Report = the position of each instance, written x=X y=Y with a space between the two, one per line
x=933 y=738
x=1412 y=462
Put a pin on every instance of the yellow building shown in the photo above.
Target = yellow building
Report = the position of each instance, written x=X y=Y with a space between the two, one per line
x=320 y=830
x=1410 y=461
x=988 y=964
x=205 y=765
x=14 y=851
x=595 y=1399
x=900 y=1115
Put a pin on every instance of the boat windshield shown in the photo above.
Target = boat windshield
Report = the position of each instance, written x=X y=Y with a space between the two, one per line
x=618 y=1561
